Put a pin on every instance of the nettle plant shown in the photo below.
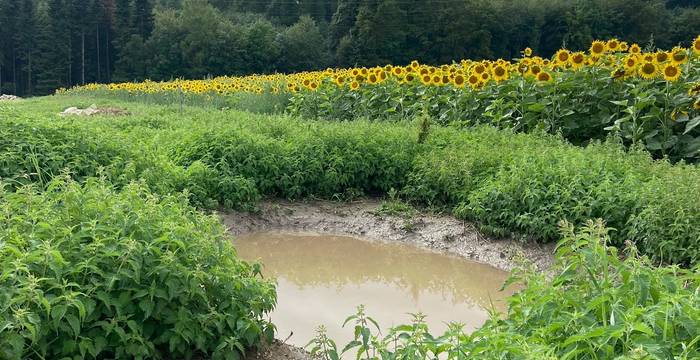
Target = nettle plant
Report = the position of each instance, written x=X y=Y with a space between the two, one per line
x=597 y=304
x=88 y=272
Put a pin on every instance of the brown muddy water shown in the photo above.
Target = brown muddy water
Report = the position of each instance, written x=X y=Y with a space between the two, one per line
x=322 y=278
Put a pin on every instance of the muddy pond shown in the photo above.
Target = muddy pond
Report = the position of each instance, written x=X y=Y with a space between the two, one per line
x=322 y=278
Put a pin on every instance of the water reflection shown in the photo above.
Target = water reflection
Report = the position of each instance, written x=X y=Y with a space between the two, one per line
x=322 y=278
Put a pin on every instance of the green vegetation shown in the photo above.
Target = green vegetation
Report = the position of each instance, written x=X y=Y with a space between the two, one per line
x=103 y=253
x=509 y=184
x=50 y=44
x=93 y=273
x=595 y=306
x=393 y=206
x=583 y=104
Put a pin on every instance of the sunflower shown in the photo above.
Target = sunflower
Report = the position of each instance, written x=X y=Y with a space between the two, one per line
x=631 y=61
x=696 y=45
x=409 y=77
x=578 y=59
x=479 y=69
x=671 y=72
x=648 y=57
x=426 y=79
x=354 y=85
x=527 y=52
x=340 y=81
x=313 y=85
x=372 y=79
x=624 y=46
x=696 y=104
x=597 y=47
x=436 y=80
x=534 y=70
x=522 y=68
x=444 y=80
x=648 y=70
x=544 y=76
x=397 y=71
x=500 y=73
x=485 y=77
x=613 y=45
x=618 y=73
x=473 y=81
x=661 y=57
x=415 y=64
x=459 y=80
x=563 y=56
x=694 y=89
x=679 y=55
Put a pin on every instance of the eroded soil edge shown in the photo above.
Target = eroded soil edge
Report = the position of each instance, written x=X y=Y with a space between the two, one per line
x=442 y=233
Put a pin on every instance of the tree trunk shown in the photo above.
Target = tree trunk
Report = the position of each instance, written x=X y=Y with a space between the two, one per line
x=107 y=67
x=29 y=73
x=82 y=57
x=70 y=60
x=99 y=78
x=14 y=71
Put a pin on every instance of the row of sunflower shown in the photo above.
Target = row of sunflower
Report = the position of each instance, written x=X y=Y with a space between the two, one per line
x=622 y=60
x=645 y=95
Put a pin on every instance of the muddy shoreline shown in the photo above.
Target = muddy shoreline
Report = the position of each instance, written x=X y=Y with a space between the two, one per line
x=435 y=232
x=441 y=233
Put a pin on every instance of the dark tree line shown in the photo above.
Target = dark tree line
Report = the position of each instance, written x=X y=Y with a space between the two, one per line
x=49 y=44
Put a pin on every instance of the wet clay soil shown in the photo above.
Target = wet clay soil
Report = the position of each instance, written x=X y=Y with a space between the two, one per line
x=441 y=233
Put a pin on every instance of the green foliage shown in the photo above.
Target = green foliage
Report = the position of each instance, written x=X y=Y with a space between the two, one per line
x=596 y=304
x=395 y=207
x=95 y=273
x=509 y=184
x=293 y=159
x=581 y=105
x=523 y=185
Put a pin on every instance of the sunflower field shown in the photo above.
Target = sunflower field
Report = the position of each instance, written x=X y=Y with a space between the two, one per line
x=646 y=96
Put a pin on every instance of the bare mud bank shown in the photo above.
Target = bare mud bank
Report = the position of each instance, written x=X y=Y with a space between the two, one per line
x=442 y=233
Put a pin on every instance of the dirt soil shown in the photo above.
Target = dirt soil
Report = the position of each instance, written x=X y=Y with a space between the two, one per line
x=277 y=351
x=9 y=98
x=94 y=110
x=442 y=233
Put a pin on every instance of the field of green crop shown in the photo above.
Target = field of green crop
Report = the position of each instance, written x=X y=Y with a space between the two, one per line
x=107 y=250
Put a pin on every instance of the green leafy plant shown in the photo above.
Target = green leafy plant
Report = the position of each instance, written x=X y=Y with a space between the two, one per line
x=93 y=273
x=508 y=183
x=598 y=303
